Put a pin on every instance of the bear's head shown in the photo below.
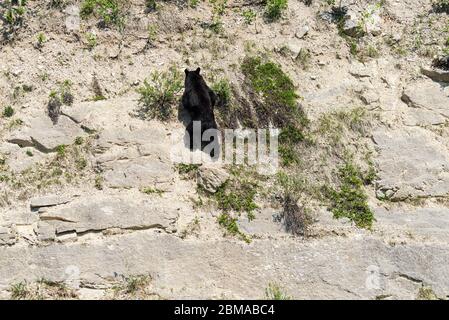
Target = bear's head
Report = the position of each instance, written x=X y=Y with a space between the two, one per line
x=193 y=77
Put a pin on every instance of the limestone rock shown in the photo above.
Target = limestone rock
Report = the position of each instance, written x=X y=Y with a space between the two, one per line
x=436 y=74
x=211 y=178
x=369 y=97
x=48 y=201
x=45 y=136
x=138 y=173
x=302 y=31
x=359 y=70
x=421 y=223
x=219 y=268
x=7 y=236
x=427 y=95
x=108 y=213
x=412 y=163
x=352 y=26
x=373 y=24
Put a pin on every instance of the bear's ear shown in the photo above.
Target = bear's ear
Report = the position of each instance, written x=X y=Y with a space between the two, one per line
x=198 y=70
x=186 y=71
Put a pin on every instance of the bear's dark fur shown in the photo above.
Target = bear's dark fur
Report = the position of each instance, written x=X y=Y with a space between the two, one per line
x=199 y=100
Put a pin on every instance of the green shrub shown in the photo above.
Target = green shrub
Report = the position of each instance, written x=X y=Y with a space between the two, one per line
x=279 y=104
x=41 y=39
x=238 y=196
x=441 y=5
x=109 y=11
x=150 y=5
x=275 y=8
x=79 y=141
x=231 y=226
x=158 y=94
x=61 y=150
x=274 y=292
x=15 y=11
x=8 y=112
x=91 y=39
x=19 y=291
x=350 y=200
x=222 y=89
x=187 y=168
x=268 y=79
x=249 y=15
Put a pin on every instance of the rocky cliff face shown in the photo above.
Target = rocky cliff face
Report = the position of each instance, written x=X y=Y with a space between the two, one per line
x=93 y=205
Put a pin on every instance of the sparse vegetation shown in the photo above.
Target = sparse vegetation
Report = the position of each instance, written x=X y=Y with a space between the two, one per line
x=249 y=15
x=441 y=5
x=108 y=11
x=222 y=89
x=19 y=291
x=187 y=168
x=15 y=12
x=350 y=200
x=41 y=290
x=61 y=150
x=231 y=226
x=41 y=39
x=274 y=9
x=151 y=190
x=237 y=195
x=268 y=80
x=8 y=112
x=279 y=104
x=158 y=94
x=133 y=287
x=79 y=141
x=426 y=293
x=91 y=39
x=274 y=292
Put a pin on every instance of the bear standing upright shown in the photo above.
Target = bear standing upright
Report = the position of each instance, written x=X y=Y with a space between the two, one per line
x=199 y=100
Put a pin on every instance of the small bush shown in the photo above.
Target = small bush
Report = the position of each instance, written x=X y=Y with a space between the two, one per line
x=150 y=5
x=151 y=190
x=79 y=141
x=15 y=12
x=59 y=97
x=296 y=219
x=274 y=292
x=441 y=5
x=249 y=16
x=19 y=291
x=158 y=94
x=222 y=89
x=41 y=39
x=61 y=150
x=278 y=104
x=238 y=196
x=350 y=200
x=275 y=8
x=426 y=293
x=268 y=80
x=231 y=226
x=91 y=39
x=41 y=290
x=8 y=112
x=184 y=168
x=109 y=11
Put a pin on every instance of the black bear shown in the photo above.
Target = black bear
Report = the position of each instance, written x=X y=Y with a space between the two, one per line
x=199 y=100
